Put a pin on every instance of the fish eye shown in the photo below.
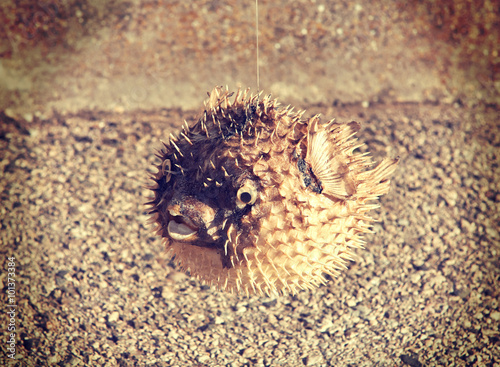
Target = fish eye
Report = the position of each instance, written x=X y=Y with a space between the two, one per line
x=246 y=195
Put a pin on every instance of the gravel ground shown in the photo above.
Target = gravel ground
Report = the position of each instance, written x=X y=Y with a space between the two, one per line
x=94 y=286
x=88 y=89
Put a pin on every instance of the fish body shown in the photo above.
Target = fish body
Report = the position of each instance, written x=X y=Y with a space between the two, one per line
x=254 y=199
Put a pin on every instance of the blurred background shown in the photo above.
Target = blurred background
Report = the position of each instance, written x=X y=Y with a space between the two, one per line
x=89 y=88
x=120 y=55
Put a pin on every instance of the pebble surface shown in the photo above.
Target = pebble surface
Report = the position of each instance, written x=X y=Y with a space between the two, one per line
x=96 y=288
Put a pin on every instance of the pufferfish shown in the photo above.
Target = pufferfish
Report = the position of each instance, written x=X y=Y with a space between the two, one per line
x=252 y=198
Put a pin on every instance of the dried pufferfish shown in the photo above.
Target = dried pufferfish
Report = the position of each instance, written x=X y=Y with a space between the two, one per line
x=252 y=198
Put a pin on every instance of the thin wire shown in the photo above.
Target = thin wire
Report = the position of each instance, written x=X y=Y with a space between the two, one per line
x=257 y=41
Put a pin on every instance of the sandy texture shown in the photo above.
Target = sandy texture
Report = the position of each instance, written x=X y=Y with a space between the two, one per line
x=88 y=89
x=129 y=54
x=95 y=287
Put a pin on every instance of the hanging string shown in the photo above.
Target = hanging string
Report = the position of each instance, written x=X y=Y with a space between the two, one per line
x=257 y=41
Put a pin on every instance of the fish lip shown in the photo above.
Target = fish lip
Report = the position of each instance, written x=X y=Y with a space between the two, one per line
x=181 y=228
x=180 y=231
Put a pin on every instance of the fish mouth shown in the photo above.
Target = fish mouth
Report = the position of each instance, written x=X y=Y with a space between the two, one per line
x=181 y=228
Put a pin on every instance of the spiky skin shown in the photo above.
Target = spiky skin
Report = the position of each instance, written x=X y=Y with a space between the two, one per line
x=251 y=198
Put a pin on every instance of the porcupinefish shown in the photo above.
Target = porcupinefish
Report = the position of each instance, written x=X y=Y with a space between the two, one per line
x=252 y=198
